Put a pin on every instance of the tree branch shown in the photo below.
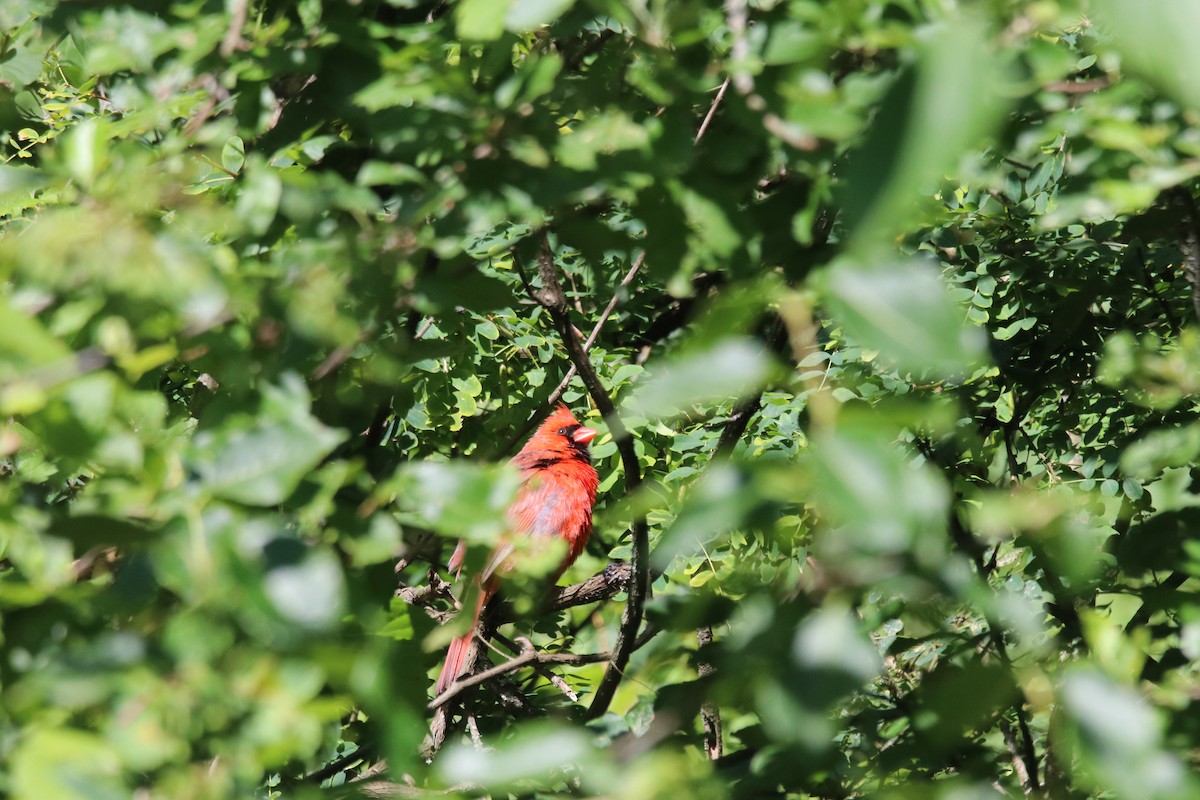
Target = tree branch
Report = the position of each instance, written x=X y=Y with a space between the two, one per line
x=1190 y=246
x=528 y=657
x=607 y=584
x=712 y=110
x=551 y=297
x=604 y=315
x=587 y=346
x=709 y=713
x=613 y=580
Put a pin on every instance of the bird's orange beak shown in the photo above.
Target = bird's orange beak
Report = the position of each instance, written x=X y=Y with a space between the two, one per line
x=584 y=435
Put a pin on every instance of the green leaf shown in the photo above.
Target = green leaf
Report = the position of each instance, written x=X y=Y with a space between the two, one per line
x=1118 y=737
x=86 y=531
x=310 y=593
x=956 y=95
x=233 y=154
x=903 y=310
x=525 y=15
x=85 y=151
x=830 y=639
x=456 y=498
x=481 y=20
x=715 y=504
x=1159 y=449
x=66 y=763
x=877 y=502
x=26 y=343
x=261 y=190
x=1154 y=42
x=733 y=368
x=262 y=462
x=537 y=750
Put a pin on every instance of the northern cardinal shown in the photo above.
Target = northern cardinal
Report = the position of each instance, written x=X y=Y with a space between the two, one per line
x=555 y=500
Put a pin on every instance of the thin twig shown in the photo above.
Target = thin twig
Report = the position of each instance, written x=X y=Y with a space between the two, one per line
x=743 y=410
x=544 y=671
x=1077 y=87
x=326 y=772
x=739 y=49
x=591 y=339
x=233 y=40
x=529 y=656
x=712 y=109
x=1015 y=756
x=1027 y=751
x=1028 y=748
x=737 y=18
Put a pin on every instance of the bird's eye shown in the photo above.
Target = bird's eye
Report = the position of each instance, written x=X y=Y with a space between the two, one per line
x=562 y=431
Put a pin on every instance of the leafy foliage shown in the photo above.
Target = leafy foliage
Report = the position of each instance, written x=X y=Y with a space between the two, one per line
x=901 y=324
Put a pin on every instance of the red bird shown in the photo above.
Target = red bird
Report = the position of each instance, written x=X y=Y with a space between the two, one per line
x=555 y=500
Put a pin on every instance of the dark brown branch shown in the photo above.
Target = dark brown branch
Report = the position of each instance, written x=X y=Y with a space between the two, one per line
x=1190 y=246
x=587 y=346
x=545 y=672
x=425 y=593
x=604 y=315
x=732 y=433
x=527 y=658
x=592 y=47
x=326 y=772
x=709 y=713
x=1077 y=87
x=1146 y=611
x=1016 y=757
x=551 y=297
x=373 y=435
x=613 y=580
x=964 y=539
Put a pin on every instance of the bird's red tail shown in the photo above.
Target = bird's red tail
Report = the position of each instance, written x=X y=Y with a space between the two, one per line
x=455 y=664
x=460 y=649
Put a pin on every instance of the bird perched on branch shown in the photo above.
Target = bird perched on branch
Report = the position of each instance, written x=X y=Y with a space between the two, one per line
x=555 y=501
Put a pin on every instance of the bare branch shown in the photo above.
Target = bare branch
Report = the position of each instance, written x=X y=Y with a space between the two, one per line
x=591 y=340
x=233 y=41
x=737 y=17
x=554 y=301
x=1190 y=246
x=709 y=713
x=712 y=109
x=1077 y=87
x=557 y=394
x=613 y=580
x=529 y=656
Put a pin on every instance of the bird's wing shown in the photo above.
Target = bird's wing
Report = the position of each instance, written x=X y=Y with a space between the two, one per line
x=538 y=513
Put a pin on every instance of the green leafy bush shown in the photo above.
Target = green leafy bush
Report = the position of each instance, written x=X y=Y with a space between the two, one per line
x=893 y=304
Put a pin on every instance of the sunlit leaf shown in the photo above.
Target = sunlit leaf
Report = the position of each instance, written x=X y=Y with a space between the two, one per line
x=902 y=310
x=732 y=368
